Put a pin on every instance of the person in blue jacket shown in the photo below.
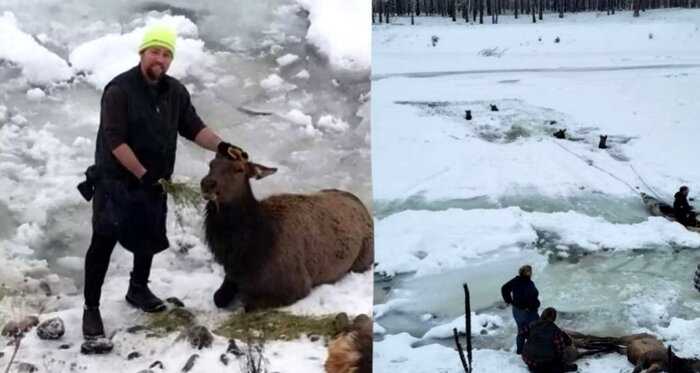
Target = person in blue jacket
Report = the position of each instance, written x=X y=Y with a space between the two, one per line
x=521 y=293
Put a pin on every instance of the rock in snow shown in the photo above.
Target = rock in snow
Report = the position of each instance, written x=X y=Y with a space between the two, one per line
x=51 y=329
x=198 y=336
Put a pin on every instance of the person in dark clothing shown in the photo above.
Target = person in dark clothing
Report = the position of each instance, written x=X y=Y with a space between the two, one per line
x=682 y=210
x=142 y=112
x=521 y=293
x=544 y=346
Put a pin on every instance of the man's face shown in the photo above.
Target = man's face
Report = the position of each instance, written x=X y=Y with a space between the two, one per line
x=155 y=62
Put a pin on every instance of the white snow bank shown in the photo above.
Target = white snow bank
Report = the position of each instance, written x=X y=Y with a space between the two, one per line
x=586 y=40
x=105 y=57
x=656 y=133
x=682 y=334
x=430 y=242
x=192 y=278
x=39 y=65
x=481 y=324
x=353 y=295
x=341 y=30
x=395 y=354
x=595 y=233
x=300 y=355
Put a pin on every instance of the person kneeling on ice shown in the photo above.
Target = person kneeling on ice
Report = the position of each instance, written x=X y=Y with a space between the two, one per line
x=682 y=210
x=522 y=294
x=142 y=112
x=544 y=345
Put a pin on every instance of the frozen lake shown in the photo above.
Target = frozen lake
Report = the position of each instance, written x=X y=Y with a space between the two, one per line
x=471 y=200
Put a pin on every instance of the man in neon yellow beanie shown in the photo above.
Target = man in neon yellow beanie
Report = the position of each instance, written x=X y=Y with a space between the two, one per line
x=142 y=112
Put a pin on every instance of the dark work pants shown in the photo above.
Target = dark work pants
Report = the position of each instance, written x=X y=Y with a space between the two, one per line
x=523 y=318
x=548 y=367
x=97 y=263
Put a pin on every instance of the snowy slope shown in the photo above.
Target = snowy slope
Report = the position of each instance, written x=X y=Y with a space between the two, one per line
x=472 y=200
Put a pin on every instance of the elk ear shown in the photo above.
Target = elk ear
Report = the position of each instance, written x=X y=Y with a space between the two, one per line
x=259 y=171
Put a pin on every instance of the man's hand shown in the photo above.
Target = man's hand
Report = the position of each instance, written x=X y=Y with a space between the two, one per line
x=150 y=183
x=231 y=151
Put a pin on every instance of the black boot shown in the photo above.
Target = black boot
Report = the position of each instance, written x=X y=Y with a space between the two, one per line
x=140 y=296
x=225 y=294
x=92 y=323
x=570 y=368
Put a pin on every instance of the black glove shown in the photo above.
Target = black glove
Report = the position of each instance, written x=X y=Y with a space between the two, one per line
x=231 y=151
x=150 y=183
x=87 y=187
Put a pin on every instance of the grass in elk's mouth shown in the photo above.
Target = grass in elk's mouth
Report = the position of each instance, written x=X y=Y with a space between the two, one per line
x=182 y=193
x=276 y=325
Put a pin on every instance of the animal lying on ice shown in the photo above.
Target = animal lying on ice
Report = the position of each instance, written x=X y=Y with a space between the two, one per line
x=276 y=249
x=646 y=352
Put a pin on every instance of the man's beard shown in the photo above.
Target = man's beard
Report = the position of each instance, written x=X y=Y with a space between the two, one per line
x=152 y=74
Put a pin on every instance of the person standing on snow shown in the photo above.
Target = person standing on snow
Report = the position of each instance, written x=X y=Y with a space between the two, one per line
x=521 y=293
x=142 y=112
x=682 y=210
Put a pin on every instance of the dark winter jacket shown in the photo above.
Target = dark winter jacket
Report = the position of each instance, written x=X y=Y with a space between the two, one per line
x=148 y=119
x=521 y=293
x=545 y=343
x=681 y=207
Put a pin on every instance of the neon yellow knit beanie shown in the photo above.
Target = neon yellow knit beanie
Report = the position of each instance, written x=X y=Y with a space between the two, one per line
x=161 y=36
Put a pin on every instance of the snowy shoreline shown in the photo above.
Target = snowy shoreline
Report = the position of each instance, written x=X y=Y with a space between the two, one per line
x=472 y=200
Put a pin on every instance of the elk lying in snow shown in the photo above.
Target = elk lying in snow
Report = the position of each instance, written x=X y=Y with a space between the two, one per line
x=275 y=250
x=351 y=350
x=645 y=351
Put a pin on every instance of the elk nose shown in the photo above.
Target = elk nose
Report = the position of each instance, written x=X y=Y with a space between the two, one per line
x=208 y=184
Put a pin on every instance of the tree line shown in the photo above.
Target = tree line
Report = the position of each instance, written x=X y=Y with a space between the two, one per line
x=474 y=10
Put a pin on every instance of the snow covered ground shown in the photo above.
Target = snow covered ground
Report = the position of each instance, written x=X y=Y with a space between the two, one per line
x=269 y=76
x=461 y=200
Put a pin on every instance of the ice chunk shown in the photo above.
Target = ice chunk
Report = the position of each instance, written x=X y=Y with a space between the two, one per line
x=287 y=59
x=105 y=57
x=303 y=74
x=274 y=83
x=341 y=30
x=479 y=323
x=296 y=116
x=35 y=94
x=39 y=65
x=332 y=123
